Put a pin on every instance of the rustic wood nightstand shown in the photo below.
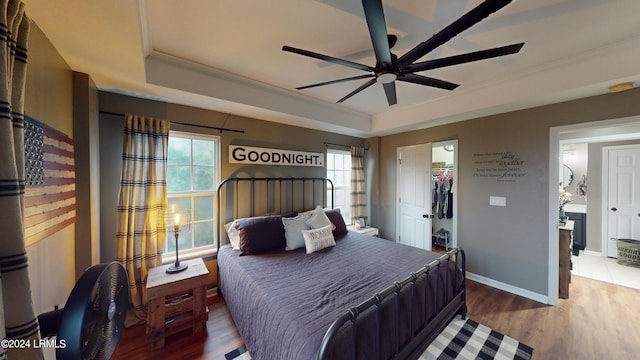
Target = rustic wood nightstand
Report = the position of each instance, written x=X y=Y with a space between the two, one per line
x=176 y=301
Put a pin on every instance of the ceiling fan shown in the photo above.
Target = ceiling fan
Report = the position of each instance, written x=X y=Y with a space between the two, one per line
x=390 y=68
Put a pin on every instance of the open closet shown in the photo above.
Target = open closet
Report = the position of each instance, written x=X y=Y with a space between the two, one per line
x=443 y=190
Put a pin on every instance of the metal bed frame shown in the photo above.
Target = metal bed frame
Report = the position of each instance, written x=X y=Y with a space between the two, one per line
x=289 y=191
x=421 y=338
x=419 y=341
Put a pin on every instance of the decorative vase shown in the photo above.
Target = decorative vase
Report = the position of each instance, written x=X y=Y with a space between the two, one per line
x=562 y=216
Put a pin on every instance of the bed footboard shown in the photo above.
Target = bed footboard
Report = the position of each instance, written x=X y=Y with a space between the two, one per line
x=426 y=321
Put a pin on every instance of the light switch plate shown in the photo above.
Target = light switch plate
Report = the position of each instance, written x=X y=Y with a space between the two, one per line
x=497 y=201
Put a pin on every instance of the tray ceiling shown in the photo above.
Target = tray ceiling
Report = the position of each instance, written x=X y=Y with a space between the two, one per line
x=226 y=55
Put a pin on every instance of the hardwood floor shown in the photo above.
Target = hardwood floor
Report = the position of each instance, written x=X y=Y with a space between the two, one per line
x=220 y=338
x=598 y=321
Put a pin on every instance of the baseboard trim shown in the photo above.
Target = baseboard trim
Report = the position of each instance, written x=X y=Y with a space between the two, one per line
x=509 y=288
x=592 y=253
x=212 y=295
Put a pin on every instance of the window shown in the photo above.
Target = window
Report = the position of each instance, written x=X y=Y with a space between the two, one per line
x=193 y=169
x=339 y=172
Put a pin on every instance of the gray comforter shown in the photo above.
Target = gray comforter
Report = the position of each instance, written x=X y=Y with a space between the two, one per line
x=283 y=303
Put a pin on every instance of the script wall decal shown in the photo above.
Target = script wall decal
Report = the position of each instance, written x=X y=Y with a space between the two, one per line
x=503 y=166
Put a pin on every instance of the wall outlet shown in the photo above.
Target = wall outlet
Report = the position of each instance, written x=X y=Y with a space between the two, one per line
x=497 y=201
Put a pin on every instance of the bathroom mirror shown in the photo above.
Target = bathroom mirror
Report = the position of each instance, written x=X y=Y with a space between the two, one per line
x=567 y=176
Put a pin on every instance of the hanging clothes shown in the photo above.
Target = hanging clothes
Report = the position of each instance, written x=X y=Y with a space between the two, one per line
x=450 y=200
x=442 y=209
x=442 y=202
x=434 y=190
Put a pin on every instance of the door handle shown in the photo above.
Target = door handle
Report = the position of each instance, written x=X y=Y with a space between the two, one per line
x=427 y=216
x=614 y=209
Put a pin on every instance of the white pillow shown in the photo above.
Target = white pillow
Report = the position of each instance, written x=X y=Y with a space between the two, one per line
x=309 y=212
x=318 y=239
x=293 y=231
x=318 y=219
x=233 y=233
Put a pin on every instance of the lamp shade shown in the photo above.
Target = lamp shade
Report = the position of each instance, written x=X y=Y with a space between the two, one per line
x=180 y=217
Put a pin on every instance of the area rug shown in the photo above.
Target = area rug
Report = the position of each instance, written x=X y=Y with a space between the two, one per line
x=240 y=353
x=467 y=339
x=461 y=339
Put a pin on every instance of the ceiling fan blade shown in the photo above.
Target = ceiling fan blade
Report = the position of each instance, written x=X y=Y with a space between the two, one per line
x=331 y=59
x=336 y=81
x=364 y=86
x=469 y=19
x=374 y=14
x=464 y=58
x=424 y=80
x=390 y=91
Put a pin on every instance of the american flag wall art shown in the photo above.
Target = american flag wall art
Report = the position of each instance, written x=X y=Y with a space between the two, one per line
x=50 y=191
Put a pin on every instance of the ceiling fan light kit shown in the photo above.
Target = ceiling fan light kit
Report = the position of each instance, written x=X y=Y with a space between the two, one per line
x=390 y=68
x=385 y=78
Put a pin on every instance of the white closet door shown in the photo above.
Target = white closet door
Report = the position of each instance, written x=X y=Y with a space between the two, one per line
x=414 y=196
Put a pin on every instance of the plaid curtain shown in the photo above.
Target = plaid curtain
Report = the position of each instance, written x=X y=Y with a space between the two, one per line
x=142 y=206
x=358 y=194
x=16 y=307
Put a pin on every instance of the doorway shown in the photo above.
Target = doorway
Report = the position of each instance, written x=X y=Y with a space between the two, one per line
x=427 y=195
x=444 y=168
x=593 y=133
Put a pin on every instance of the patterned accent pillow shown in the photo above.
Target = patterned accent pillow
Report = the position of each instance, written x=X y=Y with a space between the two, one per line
x=318 y=239
x=293 y=230
x=318 y=219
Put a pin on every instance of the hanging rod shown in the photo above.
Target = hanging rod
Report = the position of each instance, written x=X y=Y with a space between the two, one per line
x=341 y=145
x=181 y=123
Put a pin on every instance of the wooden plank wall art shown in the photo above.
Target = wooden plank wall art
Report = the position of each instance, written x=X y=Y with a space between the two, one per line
x=50 y=191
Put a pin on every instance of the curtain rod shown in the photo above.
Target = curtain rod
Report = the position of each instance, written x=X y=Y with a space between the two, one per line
x=181 y=123
x=341 y=145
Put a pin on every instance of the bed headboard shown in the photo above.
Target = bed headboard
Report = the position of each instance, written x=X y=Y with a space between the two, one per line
x=255 y=196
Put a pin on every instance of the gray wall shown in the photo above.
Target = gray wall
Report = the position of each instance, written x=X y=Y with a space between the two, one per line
x=507 y=244
x=256 y=133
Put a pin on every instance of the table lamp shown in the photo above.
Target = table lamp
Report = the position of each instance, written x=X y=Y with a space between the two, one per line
x=181 y=221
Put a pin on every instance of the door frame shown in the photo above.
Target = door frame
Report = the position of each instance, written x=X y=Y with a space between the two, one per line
x=605 y=192
x=624 y=128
